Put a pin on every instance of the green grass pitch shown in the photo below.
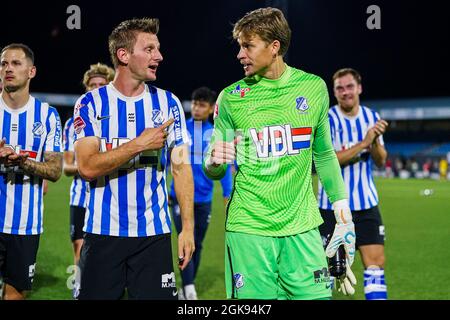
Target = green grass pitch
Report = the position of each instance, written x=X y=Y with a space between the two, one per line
x=417 y=235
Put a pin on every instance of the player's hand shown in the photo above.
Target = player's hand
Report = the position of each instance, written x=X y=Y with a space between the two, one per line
x=154 y=138
x=186 y=247
x=370 y=137
x=223 y=152
x=346 y=283
x=5 y=152
x=380 y=127
x=16 y=159
x=344 y=232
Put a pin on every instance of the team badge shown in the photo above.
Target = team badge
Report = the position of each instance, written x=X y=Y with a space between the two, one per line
x=38 y=129
x=157 y=117
x=238 y=280
x=302 y=105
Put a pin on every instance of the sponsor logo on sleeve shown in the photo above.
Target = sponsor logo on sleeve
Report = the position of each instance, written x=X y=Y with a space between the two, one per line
x=78 y=124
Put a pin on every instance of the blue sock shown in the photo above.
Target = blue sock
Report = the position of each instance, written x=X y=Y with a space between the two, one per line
x=374 y=284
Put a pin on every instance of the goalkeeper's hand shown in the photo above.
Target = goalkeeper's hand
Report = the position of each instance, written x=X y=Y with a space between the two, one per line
x=346 y=282
x=344 y=233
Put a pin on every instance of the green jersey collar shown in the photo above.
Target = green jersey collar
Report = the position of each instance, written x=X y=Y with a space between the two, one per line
x=274 y=83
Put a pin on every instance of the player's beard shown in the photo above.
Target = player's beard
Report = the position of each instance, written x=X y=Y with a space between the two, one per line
x=14 y=88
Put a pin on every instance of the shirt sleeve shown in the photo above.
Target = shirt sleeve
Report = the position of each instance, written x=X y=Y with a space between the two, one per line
x=68 y=135
x=54 y=136
x=377 y=117
x=227 y=183
x=223 y=131
x=325 y=159
x=178 y=133
x=84 y=121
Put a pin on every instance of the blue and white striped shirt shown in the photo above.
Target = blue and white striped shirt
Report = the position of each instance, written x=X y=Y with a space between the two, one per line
x=78 y=188
x=132 y=201
x=346 y=132
x=33 y=128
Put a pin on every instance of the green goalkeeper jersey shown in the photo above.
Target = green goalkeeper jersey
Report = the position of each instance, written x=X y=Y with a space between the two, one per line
x=282 y=124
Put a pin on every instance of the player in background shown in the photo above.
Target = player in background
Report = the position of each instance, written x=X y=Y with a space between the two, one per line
x=274 y=122
x=200 y=130
x=122 y=133
x=97 y=76
x=357 y=135
x=29 y=153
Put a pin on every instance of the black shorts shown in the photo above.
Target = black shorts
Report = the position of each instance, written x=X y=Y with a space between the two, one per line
x=369 y=227
x=76 y=222
x=142 y=265
x=18 y=259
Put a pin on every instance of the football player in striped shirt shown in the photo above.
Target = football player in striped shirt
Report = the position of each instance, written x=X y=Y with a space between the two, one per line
x=29 y=153
x=273 y=122
x=123 y=131
x=357 y=135
x=97 y=76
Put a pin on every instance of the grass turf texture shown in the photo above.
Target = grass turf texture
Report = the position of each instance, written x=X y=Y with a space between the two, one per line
x=417 y=233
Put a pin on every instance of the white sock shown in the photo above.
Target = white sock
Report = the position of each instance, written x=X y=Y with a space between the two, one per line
x=374 y=284
x=189 y=292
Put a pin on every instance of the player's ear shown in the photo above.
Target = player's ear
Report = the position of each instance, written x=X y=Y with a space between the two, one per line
x=122 y=55
x=211 y=108
x=32 y=72
x=359 y=89
x=275 y=47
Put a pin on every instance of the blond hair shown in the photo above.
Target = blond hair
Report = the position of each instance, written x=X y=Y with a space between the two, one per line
x=124 y=35
x=268 y=23
x=98 y=70
x=345 y=71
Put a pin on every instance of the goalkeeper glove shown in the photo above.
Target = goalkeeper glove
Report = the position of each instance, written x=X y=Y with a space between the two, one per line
x=344 y=233
x=346 y=282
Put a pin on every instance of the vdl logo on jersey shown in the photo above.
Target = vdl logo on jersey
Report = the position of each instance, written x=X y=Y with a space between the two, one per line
x=32 y=155
x=145 y=159
x=277 y=141
x=242 y=91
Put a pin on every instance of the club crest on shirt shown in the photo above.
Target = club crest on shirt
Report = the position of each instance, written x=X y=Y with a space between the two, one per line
x=238 y=280
x=38 y=129
x=302 y=105
x=157 y=117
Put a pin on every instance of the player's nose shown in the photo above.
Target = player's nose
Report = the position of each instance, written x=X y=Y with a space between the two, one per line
x=158 y=56
x=241 y=54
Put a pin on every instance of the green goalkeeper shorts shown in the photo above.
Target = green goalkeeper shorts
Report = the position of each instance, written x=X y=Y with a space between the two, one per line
x=292 y=267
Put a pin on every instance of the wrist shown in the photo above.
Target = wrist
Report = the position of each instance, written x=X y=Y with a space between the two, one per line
x=134 y=146
x=342 y=211
x=210 y=165
x=187 y=227
x=24 y=164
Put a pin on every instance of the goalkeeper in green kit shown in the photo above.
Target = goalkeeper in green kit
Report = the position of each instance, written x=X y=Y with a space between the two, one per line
x=274 y=122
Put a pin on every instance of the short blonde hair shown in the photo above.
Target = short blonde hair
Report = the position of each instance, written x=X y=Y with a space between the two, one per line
x=345 y=71
x=268 y=23
x=124 y=35
x=98 y=70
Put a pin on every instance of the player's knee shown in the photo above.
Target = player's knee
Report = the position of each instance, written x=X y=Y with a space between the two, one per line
x=376 y=261
x=11 y=293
